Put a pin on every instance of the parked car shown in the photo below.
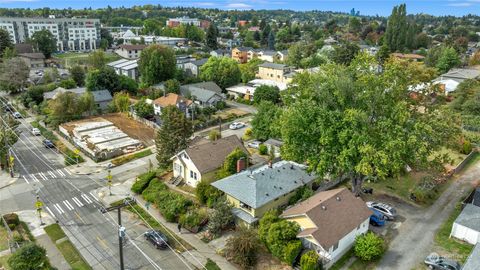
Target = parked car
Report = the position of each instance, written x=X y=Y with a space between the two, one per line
x=377 y=219
x=254 y=144
x=388 y=211
x=17 y=115
x=435 y=261
x=48 y=144
x=236 y=125
x=158 y=239
x=36 y=131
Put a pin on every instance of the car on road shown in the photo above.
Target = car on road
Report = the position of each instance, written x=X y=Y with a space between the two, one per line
x=158 y=239
x=377 y=219
x=17 y=115
x=236 y=125
x=435 y=261
x=36 y=131
x=254 y=144
x=48 y=144
x=388 y=211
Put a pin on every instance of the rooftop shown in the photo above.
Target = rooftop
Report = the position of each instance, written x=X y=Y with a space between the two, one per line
x=470 y=217
x=272 y=65
x=473 y=261
x=130 y=47
x=462 y=73
x=171 y=99
x=32 y=55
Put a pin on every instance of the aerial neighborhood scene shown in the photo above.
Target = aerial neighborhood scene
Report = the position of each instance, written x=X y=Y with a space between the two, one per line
x=248 y=134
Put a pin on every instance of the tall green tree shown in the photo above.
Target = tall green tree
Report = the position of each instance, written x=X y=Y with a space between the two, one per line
x=157 y=63
x=271 y=41
x=103 y=78
x=249 y=69
x=173 y=134
x=264 y=122
x=222 y=70
x=14 y=74
x=396 y=33
x=78 y=75
x=448 y=59
x=243 y=248
x=5 y=41
x=345 y=52
x=211 y=37
x=121 y=101
x=267 y=93
x=29 y=257
x=97 y=59
x=45 y=42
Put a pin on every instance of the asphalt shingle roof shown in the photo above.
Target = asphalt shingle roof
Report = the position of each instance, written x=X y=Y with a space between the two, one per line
x=101 y=95
x=259 y=186
x=470 y=217
x=473 y=261
x=203 y=91
x=272 y=65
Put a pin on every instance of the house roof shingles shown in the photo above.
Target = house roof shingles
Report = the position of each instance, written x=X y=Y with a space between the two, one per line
x=462 y=73
x=210 y=156
x=257 y=187
x=201 y=91
x=171 y=99
x=335 y=213
x=470 y=217
x=473 y=261
x=33 y=55
x=272 y=65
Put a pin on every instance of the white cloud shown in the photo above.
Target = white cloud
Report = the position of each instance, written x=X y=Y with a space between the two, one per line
x=461 y=4
x=238 y=6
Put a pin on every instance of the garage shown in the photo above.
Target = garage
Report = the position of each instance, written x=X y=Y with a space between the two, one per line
x=467 y=225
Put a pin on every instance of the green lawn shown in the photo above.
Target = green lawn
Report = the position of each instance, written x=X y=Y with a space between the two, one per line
x=3 y=262
x=458 y=249
x=3 y=238
x=124 y=159
x=54 y=232
x=72 y=59
x=473 y=160
x=72 y=256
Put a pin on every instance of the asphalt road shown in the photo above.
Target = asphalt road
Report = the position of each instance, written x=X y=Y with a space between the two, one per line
x=69 y=198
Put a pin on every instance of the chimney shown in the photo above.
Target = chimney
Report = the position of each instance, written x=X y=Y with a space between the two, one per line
x=240 y=164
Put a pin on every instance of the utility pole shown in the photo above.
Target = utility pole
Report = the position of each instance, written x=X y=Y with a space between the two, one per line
x=121 y=229
x=109 y=182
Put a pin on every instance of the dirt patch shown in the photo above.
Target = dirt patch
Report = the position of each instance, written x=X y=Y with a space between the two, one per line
x=266 y=261
x=225 y=114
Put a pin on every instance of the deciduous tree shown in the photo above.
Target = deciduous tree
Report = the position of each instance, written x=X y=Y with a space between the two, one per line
x=267 y=93
x=243 y=248
x=211 y=37
x=45 y=42
x=14 y=74
x=264 y=123
x=77 y=73
x=222 y=70
x=29 y=257
x=157 y=63
x=5 y=41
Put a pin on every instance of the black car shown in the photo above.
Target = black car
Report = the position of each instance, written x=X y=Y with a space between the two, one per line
x=158 y=239
x=48 y=144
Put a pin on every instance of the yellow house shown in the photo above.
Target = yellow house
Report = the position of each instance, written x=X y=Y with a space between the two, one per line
x=255 y=191
x=329 y=222
x=240 y=54
x=275 y=72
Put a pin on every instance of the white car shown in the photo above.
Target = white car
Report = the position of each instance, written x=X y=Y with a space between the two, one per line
x=388 y=211
x=237 y=125
x=36 y=131
x=254 y=144
x=17 y=115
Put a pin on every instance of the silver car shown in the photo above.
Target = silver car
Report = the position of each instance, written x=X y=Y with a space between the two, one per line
x=435 y=261
x=254 y=144
x=388 y=211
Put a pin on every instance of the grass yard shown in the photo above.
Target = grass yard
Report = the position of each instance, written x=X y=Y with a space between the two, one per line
x=3 y=238
x=3 y=262
x=72 y=256
x=473 y=160
x=451 y=246
x=71 y=59
x=127 y=158
x=54 y=232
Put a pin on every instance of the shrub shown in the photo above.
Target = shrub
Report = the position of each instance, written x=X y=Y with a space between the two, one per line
x=17 y=237
x=207 y=194
x=142 y=182
x=171 y=205
x=369 y=247
x=265 y=222
x=291 y=251
x=192 y=219
x=243 y=248
x=263 y=149
x=151 y=192
x=220 y=218
x=466 y=147
x=211 y=265
x=29 y=256
x=214 y=135
x=279 y=235
x=309 y=261
x=12 y=218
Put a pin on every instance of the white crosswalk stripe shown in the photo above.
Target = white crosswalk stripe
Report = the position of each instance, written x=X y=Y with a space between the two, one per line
x=52 y=174
x=34 y=178
x=49 y=211
x=68 y=171
x=68 y=205
x=25 y=178
x=93 y=196
x=61 y=172
x=86 y=198
x=77 y=201
x=59 y=208
x=43 y=176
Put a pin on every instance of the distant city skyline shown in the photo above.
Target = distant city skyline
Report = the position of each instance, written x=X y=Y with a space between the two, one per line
x=366 y=7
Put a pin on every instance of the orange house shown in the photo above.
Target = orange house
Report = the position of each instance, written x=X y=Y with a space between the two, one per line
x=240 y=54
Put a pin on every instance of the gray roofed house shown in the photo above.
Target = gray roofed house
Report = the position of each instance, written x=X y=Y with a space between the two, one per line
x=275 y=144
x=255 y=191
x=126 y=67
x=53 y=94
x=460 y=74
x=204 y=93
x=474 y=197
x=193 y=68
x=33 y=60
x=467 y=225
x=101 y=97
x=273 y=65
x=473 y=260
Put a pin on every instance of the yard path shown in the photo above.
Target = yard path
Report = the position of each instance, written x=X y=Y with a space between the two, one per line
x=416 y=235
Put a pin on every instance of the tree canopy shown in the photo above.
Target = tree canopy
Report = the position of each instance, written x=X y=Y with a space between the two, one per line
x=157 y=63
x=267 y=93
x=14 y=74
x=222 y=70
x=45 y=42
x=5 y=41
x=29 y=257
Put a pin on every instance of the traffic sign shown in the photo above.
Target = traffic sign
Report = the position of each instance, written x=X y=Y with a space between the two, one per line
x=38 y=204
x=11 y=159
x=76 y=151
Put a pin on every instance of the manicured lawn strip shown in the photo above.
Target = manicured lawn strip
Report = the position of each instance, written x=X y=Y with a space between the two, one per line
x=54 y=232
x=122 y=160
x=72 y=256
x=452 y=245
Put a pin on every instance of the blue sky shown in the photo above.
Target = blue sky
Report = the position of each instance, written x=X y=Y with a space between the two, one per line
x=370 y=7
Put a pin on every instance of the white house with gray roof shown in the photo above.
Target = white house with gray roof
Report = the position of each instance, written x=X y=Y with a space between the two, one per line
x=204 y=94
x=256 y=190
x=467 y=225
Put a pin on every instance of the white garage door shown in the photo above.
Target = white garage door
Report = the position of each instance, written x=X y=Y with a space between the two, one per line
x=471 y=236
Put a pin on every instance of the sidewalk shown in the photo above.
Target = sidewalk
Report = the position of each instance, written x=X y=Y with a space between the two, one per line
x=6 y=180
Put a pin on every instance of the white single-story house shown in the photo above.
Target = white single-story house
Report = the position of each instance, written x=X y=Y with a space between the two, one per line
x=467 y=225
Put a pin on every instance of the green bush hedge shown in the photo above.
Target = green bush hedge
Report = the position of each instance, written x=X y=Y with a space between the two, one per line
x=291 y=251
x=142 y=182
x=262 y=149
x=172 y=205
x=309 y=261
x=151 y=192
x=369 y=247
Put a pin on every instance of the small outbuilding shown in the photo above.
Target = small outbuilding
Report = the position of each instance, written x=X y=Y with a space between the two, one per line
x=467 y=225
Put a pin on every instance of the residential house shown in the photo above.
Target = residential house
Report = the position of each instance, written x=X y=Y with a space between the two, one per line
x=449 y=81
x=126 y=67
x=184 y=59
x=408 y=56
x=101 y=97
x=204 y=94
x=252 y=53
x=473 y=260
x=172 y=99
x=130 y=51
x=21 y=48
x=33 y=60
x=269 y=56
x=192 y=69
x=474 y=197
x=275 y=145
x=202 y=160
x=329 y=222
x=247 y=91
x=256 y=190
x=274 y=72
x=221 y=53
x=229 y=43
x=467 y=225
x=240 y=54
x=282 y=55
x=330 y=41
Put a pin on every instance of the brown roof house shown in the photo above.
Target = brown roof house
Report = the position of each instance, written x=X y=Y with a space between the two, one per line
x=172 y=99
x=330 y=221
x=195 y=162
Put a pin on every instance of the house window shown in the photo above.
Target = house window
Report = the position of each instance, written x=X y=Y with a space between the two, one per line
x=195 y=175
x=245 y=206
x=191 y=174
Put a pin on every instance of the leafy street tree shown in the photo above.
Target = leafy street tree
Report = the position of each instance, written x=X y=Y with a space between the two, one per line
x=211 y=37
x=29 y=257
x=97 y=59
x=265 y=122
x=5 y=41
x=173 y=134
x=309 y=261
x=172 y=86
x=222 y=70
x=448 y=59
x=68 y=106
x=77 y=73
x=243 y=248
x=103 y=78
x=9 y=135
x=157 y=63
x=345 y=52
x=396 y=34
x=121 y=101
x=343 y=121
x=143 y=109
x=271 y=41
x=267 y=93
x=369 y=247
x=249 y=69
x=14 y=74
x=45 y=42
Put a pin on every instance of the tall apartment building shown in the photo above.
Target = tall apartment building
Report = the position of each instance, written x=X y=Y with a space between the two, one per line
x=174 y=22
x=72 y=34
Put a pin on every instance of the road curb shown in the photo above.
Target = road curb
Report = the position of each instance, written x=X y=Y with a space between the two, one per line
x=9 y=183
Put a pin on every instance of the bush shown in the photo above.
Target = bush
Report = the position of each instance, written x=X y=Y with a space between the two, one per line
x=220 y=218
x=211 y=265
x=369 y=247
x=193 y=219
x=263 y=149
x=214 y=135
x=243 y=248
x=17 y=237
x=280 y=234
x=171 y=205
x=12 y=218
x=466 y=147
x=291 y=251
x=265 y=222
x=142 y=182
x=29 y=256
x=207 y=194
x=309 y=261
x=151 y=192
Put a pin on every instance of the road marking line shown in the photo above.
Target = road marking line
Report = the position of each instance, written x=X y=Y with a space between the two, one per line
x=102 y=242
x=69 y=172
x=59 y=208
x=77 y=201
x=34 y=178
x=52 y=174
x=68 y=205
x=43 y=176
x=96 y=199
x=25 y=178
x=48 y=209
x=86 y=198
x=60 y=172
